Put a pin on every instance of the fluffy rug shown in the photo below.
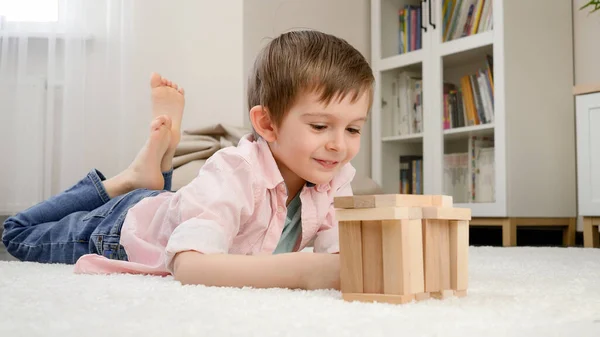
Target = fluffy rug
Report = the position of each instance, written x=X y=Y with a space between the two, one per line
x=513 y=292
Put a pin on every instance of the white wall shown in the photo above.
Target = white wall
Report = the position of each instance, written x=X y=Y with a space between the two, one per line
x=199 y=45
x=348 y=19
x=194 y=43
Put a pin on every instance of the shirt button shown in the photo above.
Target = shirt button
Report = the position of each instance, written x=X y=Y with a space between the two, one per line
x=280 y=209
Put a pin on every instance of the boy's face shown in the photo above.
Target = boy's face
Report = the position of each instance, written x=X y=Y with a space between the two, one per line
x=315 y=141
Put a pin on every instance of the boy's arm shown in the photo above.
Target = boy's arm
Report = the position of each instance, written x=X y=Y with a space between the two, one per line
x=210 y=210
x=291 y=270
x=327 y=238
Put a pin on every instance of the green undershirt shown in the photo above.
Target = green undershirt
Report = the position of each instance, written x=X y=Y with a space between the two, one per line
x=292 y=228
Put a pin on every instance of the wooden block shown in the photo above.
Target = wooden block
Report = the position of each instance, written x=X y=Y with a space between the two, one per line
x=403 y=200
x=436 y=255
x=364 y=201
x=402 y=257
x=379 y=298
x=372 y=257
x=384 y=213
x=460 y=293
x=392 y=200
x=396 y=259
x=443 y=294
x=416 y=258
x=343 y=202
x=351 y=275
x=446 y=213
x=459 y=254
x=422 y=296
x=442 y=201
x=444 y=250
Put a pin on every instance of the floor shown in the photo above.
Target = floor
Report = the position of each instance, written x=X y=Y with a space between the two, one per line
x=479 y=236
x=525 y=292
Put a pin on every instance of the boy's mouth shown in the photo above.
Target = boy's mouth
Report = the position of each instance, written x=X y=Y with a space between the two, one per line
x=328 y=164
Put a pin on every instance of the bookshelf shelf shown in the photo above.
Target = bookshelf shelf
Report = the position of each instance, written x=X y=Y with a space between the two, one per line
x=467 y=43
x=511 y=83
x=414 y=138
x=401 y=61
x=483 y=130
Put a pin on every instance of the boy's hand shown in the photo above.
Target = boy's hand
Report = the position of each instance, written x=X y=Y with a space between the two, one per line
x=324 y=273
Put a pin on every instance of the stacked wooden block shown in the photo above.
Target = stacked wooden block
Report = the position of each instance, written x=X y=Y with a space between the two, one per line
x=399 y=248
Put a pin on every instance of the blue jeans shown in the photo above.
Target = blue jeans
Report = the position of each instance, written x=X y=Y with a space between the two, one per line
x=81 y=220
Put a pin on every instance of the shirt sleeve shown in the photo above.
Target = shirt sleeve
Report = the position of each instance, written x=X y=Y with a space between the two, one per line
x=327 y=238
x=211 y=208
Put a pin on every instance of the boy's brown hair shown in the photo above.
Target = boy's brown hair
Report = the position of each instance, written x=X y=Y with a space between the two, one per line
x=303 y=62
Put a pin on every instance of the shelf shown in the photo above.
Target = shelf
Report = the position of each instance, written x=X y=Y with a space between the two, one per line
x=467 y=131
x=401 y=61
x=518 y=104
x=467 y=43
x=414 y=138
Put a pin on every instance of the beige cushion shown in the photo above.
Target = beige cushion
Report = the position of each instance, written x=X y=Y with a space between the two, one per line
x=184 y=174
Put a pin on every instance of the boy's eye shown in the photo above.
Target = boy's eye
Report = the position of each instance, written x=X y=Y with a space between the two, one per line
x=318 y=127
x=353 y=131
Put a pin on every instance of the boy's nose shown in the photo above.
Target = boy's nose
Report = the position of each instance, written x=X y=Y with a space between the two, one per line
x=336 y=144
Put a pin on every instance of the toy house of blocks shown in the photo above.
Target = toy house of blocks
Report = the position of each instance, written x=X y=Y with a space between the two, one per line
x=397 y=248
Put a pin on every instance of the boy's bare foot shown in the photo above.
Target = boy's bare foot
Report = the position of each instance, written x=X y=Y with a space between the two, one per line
x=144 y=171
x=168 y=99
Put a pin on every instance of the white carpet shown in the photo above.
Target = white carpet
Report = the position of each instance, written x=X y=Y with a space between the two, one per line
x=513 y=292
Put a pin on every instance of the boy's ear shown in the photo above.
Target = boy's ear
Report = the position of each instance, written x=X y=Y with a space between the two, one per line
x=261 y=121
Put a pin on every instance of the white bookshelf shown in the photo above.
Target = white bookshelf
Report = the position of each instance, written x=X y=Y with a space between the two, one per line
x=533 y=125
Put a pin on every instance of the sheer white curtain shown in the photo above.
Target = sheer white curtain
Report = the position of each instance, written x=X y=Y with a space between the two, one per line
x=65 y=96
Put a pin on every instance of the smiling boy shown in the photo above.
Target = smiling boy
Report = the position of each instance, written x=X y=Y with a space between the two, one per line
x=252 y=208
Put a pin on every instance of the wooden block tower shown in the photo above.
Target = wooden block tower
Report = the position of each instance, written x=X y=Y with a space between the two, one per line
x=395 y=248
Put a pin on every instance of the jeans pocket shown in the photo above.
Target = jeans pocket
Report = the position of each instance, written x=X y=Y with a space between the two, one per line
x=104 y=210
x=109 y=247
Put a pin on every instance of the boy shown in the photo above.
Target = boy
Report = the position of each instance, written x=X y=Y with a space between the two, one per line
x=243 y=220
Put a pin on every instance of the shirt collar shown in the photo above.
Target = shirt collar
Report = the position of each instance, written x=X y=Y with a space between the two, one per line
x=272 y=175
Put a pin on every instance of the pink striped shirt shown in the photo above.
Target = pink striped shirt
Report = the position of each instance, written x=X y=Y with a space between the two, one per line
x=236 y=204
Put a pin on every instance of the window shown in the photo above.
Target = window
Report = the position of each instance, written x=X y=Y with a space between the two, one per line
x=28 y=11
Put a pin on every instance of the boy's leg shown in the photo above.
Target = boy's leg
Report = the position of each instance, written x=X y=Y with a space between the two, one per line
x=168 y=99
x=58 y=230
x=86 y=195
x=168 y=177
